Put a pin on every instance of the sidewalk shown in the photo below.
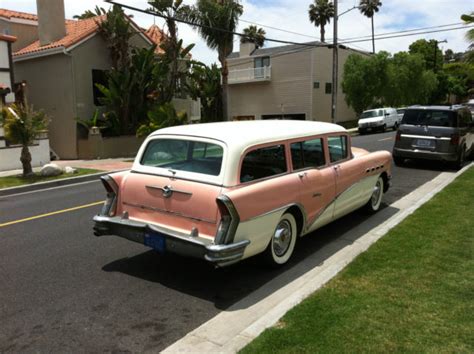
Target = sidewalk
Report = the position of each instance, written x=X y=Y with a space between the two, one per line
x=101 y=165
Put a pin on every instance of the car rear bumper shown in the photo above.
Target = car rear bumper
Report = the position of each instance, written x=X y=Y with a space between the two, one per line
x=424 y=154
x=170 y=240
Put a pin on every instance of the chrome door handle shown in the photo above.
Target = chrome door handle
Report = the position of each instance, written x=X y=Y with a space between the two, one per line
x=302 y=174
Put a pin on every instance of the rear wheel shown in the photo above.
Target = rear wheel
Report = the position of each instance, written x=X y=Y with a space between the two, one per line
x=395 y=126
x=461 y=161
x=373 y=205
x=283 y=241
x=383 y=128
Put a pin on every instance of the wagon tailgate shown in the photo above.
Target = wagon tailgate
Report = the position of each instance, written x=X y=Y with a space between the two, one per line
x=143 y=197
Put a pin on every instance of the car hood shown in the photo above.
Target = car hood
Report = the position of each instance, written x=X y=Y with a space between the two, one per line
x=371 y=120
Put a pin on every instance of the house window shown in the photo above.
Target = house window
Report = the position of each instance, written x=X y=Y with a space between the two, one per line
x=260 y=64
x=307 y=153
x=337 y=147
x=262 y=163
x=98 y=77
x=316 y=84
x=328 y=87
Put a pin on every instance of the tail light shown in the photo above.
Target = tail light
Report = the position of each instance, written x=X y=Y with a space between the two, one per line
x=110 y=204
x=454 y=139
x=229 y=221
x=398 y=136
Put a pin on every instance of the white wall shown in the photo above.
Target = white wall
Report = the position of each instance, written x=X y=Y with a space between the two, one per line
x=10 y=156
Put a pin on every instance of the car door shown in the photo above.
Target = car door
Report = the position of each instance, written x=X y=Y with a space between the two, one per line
x=316 y=180
x=348 y=173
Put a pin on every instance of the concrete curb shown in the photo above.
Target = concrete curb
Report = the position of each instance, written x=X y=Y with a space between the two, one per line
x=231 y=330
x=54 y=183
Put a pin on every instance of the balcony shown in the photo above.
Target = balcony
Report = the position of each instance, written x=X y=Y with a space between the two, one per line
x=241 y=76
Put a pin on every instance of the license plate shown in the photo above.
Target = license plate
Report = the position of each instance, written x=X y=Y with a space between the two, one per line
x=155 y=240
x=424 y=143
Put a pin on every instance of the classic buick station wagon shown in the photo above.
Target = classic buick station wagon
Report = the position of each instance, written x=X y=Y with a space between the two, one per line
x=228 y=191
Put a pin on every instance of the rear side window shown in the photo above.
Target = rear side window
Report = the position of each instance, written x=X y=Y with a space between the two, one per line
x=184 y=155
x=307 y=153
x=337 y=147
x=262 y=163
x=429 y=117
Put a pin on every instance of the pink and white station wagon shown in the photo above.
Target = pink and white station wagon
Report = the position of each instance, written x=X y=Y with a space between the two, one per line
x=227 y=191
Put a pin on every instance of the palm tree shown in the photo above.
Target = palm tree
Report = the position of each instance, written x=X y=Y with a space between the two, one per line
x=85 y=15
x=217 y=20
x=369 y=8
x=22 y=124
x=254 y=35
x=320 y=13
x=469 y=20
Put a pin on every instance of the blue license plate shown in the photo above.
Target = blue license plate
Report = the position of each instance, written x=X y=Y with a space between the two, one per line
x=155 y=240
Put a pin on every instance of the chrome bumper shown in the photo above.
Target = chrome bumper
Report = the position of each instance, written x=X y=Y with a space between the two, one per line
x=170 y=240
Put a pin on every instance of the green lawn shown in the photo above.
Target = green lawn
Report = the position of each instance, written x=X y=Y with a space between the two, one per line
x=13 y=181
x=413 y=291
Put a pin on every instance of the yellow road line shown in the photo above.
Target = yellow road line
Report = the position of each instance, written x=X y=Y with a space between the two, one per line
x=51 y=213
x=386 y=139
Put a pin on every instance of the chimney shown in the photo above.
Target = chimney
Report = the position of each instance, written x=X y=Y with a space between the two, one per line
x=246 y=49
x=51 y=21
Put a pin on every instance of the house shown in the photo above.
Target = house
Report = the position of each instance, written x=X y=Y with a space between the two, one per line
x=290 y=82
x=61 y=66
x=6 y=69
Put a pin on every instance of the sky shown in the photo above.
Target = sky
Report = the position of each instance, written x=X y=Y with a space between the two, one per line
x=292 y=16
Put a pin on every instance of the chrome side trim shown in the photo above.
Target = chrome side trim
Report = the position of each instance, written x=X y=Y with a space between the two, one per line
x=424 y=137
x=284 y=207
x=146 y=207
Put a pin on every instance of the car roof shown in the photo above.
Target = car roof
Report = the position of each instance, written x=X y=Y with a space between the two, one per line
x=248 y=133
x=438 y=108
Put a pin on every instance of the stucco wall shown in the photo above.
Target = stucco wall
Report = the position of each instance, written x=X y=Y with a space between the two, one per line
x=10 y=156
x=50 y=87
x=26 y=34
x=287 y=92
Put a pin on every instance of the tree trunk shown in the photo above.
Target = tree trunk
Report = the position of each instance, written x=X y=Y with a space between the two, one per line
x=373 y=40
x=25 y=159
x=322 y=33
x=225 y=73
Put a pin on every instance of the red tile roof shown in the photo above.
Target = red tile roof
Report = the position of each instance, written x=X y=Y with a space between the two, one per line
x=75 y=32
x=157 y=36
x=16 y=14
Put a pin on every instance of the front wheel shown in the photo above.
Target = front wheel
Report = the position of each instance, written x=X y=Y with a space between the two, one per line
x=373 y=205
x=283 y=241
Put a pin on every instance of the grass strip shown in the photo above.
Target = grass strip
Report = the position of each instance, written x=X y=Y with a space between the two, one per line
x=411 y=292
x=14 y=181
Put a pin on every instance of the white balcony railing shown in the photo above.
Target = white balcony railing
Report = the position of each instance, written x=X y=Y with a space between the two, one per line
x=250 y=75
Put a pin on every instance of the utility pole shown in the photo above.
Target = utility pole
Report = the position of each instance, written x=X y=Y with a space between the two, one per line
x=334 y=67
x=436 y=52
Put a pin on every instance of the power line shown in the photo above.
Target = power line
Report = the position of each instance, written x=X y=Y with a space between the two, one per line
x=149 y=12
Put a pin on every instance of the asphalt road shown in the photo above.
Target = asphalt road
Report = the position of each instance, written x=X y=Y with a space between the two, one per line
x=64 y=290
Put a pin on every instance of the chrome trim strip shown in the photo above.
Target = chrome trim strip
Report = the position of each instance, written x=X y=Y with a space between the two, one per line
x=424 y=137
x=164 y=190
x=141 y=206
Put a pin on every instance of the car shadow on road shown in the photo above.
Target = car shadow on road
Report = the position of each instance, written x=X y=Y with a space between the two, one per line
x=226 y=287
x=439 y=166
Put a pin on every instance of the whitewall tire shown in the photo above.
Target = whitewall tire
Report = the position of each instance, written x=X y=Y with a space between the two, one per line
x=373 y=205
x=282 y=243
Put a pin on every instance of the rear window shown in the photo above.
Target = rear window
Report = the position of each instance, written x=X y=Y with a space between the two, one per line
x=262 y=163
x=429 y=117
x=184 y=155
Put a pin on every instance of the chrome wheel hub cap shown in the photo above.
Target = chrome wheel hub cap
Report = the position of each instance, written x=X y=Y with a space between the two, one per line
x=282 y=238
x=376 y=195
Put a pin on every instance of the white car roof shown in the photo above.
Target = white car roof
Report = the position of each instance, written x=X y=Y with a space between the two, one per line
x=247 y=133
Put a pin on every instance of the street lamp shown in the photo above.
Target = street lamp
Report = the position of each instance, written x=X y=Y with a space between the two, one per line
x=335 y=61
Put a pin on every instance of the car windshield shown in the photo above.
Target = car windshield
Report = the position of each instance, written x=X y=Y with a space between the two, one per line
x=429 y=117
x=372 y=114
x=184 y=155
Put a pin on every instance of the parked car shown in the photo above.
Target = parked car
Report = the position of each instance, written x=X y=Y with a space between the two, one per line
x=231 y=190
x=378 y=119
x=400 y=113
x=435 y=133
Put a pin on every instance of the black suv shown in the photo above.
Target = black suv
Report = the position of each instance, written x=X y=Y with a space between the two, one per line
x=444 y=133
